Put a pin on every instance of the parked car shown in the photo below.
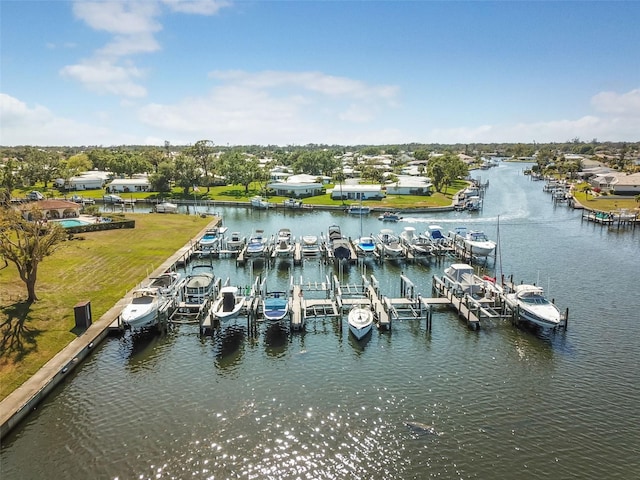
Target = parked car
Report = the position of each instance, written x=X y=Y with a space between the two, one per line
x=35 y=195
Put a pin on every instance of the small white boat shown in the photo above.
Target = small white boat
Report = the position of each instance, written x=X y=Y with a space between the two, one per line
x=365 y=246
x=435 y=234
x=198 y=286
x=533 y=307
x=418 y=244
x=292 y=203
x=476 y=242
x=168 y=284
x=166 y=207
x=310 y=245
x=284 y=243
x=210 y=239
x=390 y=243
x=112 y=198
x=359 y=210
x=462 y=279
x=390 y=217
x=142 y=311
x=236 y=241
x=256 y=244
x=259 y=203
x=275 y=305
x=360 y=320
x=228 y=303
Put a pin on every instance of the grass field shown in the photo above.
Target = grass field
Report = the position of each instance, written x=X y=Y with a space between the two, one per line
x=100 y=267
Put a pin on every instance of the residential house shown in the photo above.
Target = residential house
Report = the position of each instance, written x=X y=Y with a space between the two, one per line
x=410 y=185
x=128 y=185
x=357 y=192
x=52 y=209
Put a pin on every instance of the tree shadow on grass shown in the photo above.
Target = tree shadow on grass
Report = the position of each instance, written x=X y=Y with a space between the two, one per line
x=17 y=339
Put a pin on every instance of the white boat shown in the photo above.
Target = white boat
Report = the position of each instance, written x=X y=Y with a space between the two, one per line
x=168 y=284
x=236 y=241
x=390 y=243
x=310 y=245
x=292 y=203
x=284 y=243
x=359 y=210
x=210 y=239
x=533 y=307
x=112 y=198
x=198 y=286
x=435 y=234
x=259 y=203
x=365 y=246
x=476 y=242
x=390 y=217
x=337 y=243
x=166 y=207
x=275 y=305
x=418 y=244
x=256 y=244
x=360 y=320
x=462 y=279
x=142 y=311
x=228 y=303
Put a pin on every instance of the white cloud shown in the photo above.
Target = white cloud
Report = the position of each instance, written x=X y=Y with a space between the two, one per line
x=273 y=107
x=106 y=77
x=199 y=7
x=37 y=125
x=626 y=104
x=133 y=25
x=124 y=18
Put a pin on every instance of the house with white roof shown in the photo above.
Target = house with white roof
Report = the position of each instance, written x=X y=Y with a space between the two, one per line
x=92 y=180
x=357 y=192
x=410 y=185
x=298 y=186
x=128 y=185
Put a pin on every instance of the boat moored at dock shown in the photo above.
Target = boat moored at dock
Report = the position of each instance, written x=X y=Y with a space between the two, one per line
x=531 y=305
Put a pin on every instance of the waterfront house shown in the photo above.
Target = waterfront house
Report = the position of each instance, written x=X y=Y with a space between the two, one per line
x=52 y=209
x=357 y=192
x=127 y=185
x=84 y=181
x=299 y=186
x=410 y=185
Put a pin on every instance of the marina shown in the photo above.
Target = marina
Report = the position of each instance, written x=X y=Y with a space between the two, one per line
x=297 y=395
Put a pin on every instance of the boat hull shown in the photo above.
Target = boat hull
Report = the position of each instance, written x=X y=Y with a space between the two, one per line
x=360 y=321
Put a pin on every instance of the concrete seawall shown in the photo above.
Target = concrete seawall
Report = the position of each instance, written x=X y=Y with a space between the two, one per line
x=22 y=401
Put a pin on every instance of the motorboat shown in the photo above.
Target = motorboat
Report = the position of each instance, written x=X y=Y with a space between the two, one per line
x=310 y=245
x=198 y=285
x=236 y=241
x=532 y=306
x=390 y=243
x=168 y=284
x=112 y=198
x=462 y=279
x=360 y=320
x=228 y=303
x=365 y=245
x=210 y=239
x=256 y=244
x=475 y=241
x=337 y=243
x=142 y=310
x=417 y=244
x=435 y=234
x=292 y=203
x=390 y=217
x=166 y=207
x=259 y=203
x=284 y=243
x=275 y=305
x=359 y=210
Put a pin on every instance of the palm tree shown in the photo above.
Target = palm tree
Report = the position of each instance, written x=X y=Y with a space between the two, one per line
x=587 y=190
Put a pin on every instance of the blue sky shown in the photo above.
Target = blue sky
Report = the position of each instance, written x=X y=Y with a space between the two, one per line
x=334 y=72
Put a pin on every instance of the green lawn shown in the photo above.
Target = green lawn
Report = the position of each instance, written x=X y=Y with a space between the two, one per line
x=98 y=266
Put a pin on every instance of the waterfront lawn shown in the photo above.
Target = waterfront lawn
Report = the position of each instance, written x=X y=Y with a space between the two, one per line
x=98 y=266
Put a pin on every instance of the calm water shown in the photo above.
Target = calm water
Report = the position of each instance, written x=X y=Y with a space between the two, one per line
x=506 y=403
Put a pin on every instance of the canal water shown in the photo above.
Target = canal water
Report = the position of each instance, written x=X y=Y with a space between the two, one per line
x=500 y=403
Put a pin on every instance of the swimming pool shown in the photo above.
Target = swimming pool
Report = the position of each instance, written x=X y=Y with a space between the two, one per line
x=72 y=222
